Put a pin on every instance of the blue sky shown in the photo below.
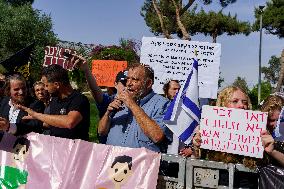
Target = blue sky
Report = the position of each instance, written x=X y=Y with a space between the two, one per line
x=106 y=21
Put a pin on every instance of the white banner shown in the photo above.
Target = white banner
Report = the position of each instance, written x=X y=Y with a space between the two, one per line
x=231 y=130
x=172 y=59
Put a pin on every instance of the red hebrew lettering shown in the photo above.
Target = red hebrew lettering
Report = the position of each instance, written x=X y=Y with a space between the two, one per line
x=229 y=113
x=216 y=109
x=262 y=116
x=205 y=133
x=236 y=127
x=258 y=128
x=257 y=140
x=212 y=142
x=241 y=148
x=235 y=146
x=232 y=136
x=222 y=114
x=228 y=145
x=217 y=144
x=206 y=122
x=239 y=138
x=251 y=127
x=216 y=133
x=206 y=141
x=252 y=139
x=254 y=116
x=246 y=147
x=244 y=139
x=252 y=150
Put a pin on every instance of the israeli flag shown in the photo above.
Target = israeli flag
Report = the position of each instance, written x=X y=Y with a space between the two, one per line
x=183 y=114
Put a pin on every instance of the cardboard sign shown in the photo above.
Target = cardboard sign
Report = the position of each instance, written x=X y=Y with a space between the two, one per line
x=55 y=55
x=173 y=59
x=105 y=71
x=233 y=131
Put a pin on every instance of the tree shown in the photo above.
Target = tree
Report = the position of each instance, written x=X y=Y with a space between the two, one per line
x=127 y=50
x=220 y=80
x=216 y=24
x=171 y=17
x=271 y=73
x=272 y=18
x=19 y=2
x=19 y=27
x=266 y=90
x=273 y=22
x=241 y=83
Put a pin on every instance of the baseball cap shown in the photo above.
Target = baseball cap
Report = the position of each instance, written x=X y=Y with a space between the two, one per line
x=121 y=77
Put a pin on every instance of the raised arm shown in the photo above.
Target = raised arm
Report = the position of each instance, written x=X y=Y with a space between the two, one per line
x=81 y=63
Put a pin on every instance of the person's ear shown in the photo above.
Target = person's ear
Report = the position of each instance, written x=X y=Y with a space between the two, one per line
x=149 y=83
x=57 y=84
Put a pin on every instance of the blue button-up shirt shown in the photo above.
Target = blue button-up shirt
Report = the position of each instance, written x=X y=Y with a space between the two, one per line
x=125 y=131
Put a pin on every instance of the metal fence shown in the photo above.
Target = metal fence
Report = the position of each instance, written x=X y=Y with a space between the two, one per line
x=177 y=172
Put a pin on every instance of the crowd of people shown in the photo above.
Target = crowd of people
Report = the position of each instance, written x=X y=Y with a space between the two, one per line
x=132 y=117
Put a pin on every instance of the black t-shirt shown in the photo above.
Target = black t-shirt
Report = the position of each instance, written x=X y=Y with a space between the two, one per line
x=74 y=102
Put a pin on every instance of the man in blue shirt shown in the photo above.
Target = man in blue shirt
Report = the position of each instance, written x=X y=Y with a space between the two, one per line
x=139 y=118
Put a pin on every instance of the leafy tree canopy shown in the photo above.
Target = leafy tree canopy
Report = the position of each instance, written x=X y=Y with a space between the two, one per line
x=19 y=27
x=210 y=23
x=271 y=73
x=241 y=83
x=266 y=90
x=273 y=18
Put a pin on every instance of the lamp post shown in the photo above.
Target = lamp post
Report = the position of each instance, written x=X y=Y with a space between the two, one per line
x=259 y=57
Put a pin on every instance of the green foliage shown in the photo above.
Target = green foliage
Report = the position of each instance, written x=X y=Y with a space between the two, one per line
x=271 y=73
x=211 y=23
x=216 y=24
x=19 y=2
x=266 y=90
x=273 y=18
x=241 y=83
x=127 y=51
x=20 y=26
x=220 y=80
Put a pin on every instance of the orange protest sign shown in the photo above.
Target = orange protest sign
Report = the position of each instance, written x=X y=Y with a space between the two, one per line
x=105 y=71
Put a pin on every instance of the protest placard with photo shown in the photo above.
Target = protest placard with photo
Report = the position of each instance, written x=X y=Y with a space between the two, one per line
x=173 y=59
x=235 y=131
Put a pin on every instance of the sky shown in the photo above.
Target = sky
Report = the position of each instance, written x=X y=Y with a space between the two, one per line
x=106 y=21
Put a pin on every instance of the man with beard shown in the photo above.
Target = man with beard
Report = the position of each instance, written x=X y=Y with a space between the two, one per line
x=138 y=121
x=69 y=115
x=11 y=118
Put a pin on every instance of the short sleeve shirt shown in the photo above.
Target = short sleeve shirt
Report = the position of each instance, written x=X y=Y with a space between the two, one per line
x=74 y=102
x=125 y=131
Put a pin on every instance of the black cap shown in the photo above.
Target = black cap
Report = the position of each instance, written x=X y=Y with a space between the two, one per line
x=121 y=76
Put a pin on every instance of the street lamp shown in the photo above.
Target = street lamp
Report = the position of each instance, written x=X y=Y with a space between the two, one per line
x=259 y=58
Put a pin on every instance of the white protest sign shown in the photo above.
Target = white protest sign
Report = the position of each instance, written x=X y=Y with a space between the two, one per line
x=173 y=59
x=233 y=131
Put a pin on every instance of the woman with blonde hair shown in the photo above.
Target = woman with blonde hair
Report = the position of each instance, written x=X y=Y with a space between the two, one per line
x=231 y=97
